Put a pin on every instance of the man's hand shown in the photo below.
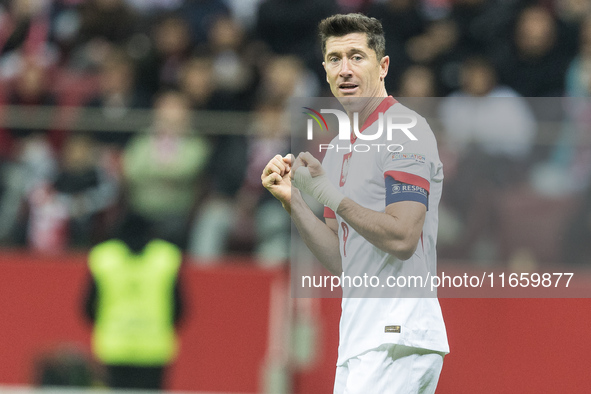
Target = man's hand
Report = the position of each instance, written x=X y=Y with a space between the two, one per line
x=308 y=175
x=320 y=238
x=276 y=179
x=305 y=159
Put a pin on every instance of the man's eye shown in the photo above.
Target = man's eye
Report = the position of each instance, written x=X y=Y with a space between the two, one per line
x=357 y=58
x=333 y=59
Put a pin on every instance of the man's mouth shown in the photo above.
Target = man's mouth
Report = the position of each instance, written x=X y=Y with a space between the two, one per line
x=348 y=87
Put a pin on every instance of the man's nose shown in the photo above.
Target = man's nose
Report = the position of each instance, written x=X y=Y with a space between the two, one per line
x=345 y=69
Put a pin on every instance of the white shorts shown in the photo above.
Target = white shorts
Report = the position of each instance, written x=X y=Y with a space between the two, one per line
x=395 y=369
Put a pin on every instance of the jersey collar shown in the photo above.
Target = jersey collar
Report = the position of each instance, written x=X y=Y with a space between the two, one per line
x=383 y=107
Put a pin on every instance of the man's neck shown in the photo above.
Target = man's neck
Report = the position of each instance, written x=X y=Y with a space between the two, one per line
x=369 y=105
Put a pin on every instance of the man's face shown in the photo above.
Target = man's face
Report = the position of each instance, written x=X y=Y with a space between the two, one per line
x=352 y=68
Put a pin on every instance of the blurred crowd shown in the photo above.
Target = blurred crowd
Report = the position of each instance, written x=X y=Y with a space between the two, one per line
x=63 y=188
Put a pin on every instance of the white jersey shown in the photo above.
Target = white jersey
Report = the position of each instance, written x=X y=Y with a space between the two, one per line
x=367 y=323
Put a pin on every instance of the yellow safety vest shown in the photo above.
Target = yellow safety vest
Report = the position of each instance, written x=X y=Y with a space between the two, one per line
x=134 y=322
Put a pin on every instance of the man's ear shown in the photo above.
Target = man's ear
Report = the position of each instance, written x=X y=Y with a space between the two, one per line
x=324 y=65
x=384 y=65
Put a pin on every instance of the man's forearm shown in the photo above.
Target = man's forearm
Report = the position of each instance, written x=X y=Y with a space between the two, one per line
x=322 y=241
x=395 y=235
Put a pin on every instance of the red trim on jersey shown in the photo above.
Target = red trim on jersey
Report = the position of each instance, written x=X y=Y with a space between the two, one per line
x=411 y=179
x=345 y=167
x=383 y=107
x=329 y=213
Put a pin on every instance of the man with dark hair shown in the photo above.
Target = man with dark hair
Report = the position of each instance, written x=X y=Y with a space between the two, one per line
x=339 y=26
x=381 y=203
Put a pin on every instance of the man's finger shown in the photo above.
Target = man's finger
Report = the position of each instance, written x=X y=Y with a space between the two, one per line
x=271 y=180
x=302 y=159
x=273 y=168
x=313 y=164
x=297 y=163
x=308 y=157
x=268 y=170
x=275 y=165
x=289 y=160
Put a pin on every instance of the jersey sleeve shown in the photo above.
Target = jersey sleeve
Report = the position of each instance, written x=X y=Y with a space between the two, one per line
x=406 y=168
x=409 y=164
x=397 y=191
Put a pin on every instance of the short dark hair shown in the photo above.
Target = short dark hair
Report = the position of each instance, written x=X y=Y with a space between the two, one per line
x=342 y=24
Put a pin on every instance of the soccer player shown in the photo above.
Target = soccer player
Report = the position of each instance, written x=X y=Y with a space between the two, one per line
x=380 y=217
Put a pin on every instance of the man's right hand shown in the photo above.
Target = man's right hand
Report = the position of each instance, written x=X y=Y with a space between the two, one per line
x=276 y=179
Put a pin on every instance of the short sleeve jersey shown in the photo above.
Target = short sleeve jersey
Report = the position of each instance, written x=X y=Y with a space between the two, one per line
x=358 y=168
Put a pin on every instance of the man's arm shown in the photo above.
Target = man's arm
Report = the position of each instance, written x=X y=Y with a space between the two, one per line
x=321 y=238
x=396 y=231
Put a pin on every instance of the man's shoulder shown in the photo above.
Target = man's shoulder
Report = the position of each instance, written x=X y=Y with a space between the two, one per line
x=410 y=128
x=400 y=109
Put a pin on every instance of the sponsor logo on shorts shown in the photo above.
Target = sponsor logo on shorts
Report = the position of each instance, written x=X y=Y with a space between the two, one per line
x=392 y=329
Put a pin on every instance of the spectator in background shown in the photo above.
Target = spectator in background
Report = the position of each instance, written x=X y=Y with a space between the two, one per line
x=490 y=132
x=285 y=78
x=417 y=81
x=480 y=23
x=31 y=89
x=225 y=168
x=24 y=32
x=228 y=209
x=198 y=83
x=569 y=164
x=161 y=67
x=251 y=217
x=164 y=167
x=108 y=20
x=439 y=49
x=290 y=27
x=568 y=167
x=233 y=65
x=534 y=62
x=33 y=165
x=402 y=20
x=224 y=80
x=66 y=212
x=85 y=188
x=417 y=90
x=270 y=134
x=32 y=161
x=103 y=23
x=477 y=115
x=200 y=14
x=115 y=98
x=134 y=302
